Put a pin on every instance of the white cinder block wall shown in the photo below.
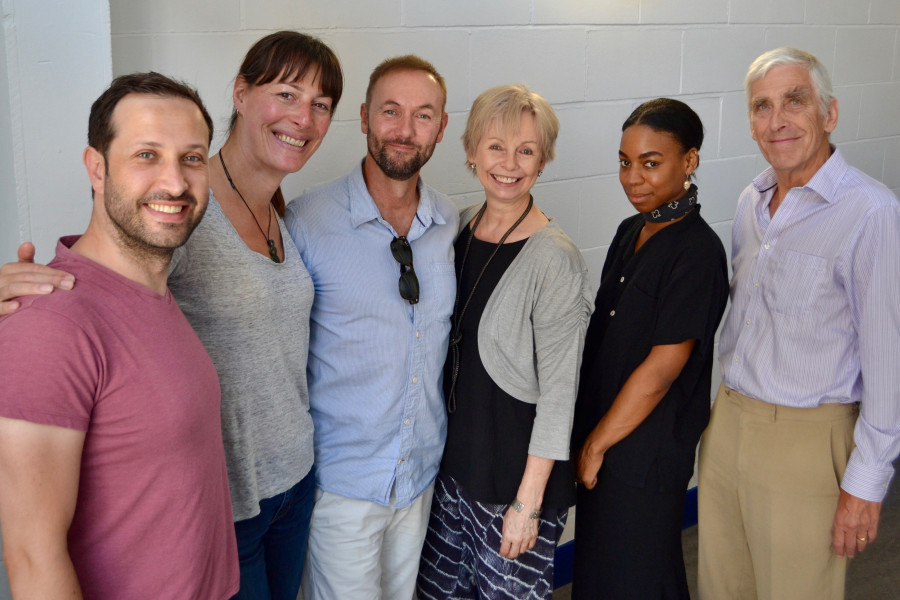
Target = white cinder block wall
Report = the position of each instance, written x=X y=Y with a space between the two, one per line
x=595 y=61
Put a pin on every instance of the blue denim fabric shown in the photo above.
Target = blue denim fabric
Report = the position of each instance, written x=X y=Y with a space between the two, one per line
x=272 y=545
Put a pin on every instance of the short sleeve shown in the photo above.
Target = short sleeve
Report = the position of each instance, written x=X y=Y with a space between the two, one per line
x=50 y=371
x=695 y=283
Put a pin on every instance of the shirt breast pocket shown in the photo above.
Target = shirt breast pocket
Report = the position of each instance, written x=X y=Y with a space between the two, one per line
x=798 y=279
x=438 y=290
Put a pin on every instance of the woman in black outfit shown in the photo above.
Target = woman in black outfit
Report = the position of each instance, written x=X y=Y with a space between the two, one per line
x=644 y=394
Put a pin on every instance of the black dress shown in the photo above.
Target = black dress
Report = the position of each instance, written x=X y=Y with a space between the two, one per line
x=627 y=535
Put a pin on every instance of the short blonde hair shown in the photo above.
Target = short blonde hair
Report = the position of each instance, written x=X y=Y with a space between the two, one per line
x=504 y=105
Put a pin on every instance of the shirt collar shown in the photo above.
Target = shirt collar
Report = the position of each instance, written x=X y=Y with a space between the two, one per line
x=824 y=183
x=363 y=208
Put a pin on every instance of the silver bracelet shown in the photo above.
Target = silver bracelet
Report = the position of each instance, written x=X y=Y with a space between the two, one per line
x=519 y=506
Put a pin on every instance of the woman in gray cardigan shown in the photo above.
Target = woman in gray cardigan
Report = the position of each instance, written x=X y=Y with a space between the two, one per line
x=522 y=308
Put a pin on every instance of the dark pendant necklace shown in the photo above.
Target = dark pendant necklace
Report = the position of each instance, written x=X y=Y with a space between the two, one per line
x=273 y=250
x=455 y=333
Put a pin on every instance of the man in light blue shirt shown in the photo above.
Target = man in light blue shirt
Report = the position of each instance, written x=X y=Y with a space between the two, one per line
x=797 y=457
x=378 y=245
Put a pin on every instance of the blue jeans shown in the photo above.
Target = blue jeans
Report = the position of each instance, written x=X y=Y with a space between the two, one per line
x=272 y=545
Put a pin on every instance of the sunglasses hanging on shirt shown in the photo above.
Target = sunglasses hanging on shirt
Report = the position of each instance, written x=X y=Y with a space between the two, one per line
x=409 y=283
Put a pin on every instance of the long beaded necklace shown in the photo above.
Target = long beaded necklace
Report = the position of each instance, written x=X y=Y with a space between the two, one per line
x=456 y=334
x=273 y=250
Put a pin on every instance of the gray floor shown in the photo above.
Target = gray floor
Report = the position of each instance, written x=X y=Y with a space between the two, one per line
x=872 y=575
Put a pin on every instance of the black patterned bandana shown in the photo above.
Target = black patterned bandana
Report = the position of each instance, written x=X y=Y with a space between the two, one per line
x=674 y=209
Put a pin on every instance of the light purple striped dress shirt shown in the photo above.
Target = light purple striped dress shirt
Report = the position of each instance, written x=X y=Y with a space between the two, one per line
x=815 y=314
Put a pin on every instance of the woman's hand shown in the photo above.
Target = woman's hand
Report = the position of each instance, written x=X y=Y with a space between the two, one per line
x=25 y=278
x=640 y=394
x=589 y=462
x=519 y=532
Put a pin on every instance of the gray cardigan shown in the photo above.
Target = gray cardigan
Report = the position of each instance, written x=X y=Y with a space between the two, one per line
x=531 y=332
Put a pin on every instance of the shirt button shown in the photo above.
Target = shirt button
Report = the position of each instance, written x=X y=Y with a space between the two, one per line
x=621 y=279
x=415 y=380
x=417 y=335
x=748 y=322
x=400 y=462
x=407 y=422
x=766 y=246
x=755 y=284
x=612 y=313
x=737 y=361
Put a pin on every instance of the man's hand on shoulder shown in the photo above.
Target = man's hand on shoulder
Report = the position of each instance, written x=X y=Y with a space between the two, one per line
x=25 y=278
x=855 y=524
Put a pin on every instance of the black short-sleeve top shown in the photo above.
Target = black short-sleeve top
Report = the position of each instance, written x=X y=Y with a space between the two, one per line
x=673 y=289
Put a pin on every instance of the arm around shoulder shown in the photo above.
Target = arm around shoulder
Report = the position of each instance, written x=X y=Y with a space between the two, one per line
x=25 y=278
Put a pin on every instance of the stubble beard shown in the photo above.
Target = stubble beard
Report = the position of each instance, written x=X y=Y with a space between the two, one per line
x=133 y=234
x=397 y=170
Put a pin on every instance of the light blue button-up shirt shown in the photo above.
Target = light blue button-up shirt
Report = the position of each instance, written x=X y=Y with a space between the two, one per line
x=815 y=315
x=375 y=360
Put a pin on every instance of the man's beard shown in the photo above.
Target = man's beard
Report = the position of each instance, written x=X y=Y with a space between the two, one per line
x=133 y=233
x=401 y=171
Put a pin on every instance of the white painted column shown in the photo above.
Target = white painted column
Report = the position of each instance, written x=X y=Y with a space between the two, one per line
x=55 y=59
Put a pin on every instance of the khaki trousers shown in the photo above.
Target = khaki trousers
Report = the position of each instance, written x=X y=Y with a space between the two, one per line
x=768 y=489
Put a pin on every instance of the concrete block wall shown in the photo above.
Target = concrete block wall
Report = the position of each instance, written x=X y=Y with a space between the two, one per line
x=594 y=61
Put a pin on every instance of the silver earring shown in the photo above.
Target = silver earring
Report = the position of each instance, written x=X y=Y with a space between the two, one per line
x=687 y=182
x=472 y=166
x=540 y=173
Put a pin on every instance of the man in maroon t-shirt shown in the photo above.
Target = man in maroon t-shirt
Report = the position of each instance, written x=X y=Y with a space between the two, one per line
x=112 y=469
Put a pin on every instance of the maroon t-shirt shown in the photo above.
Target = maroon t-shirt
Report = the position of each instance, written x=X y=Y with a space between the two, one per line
x=119 y=362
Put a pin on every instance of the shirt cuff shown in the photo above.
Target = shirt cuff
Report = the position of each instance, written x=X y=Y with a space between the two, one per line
x=866 y=482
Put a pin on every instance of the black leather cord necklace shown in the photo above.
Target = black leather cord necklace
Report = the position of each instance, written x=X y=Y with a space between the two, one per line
x=273 y=250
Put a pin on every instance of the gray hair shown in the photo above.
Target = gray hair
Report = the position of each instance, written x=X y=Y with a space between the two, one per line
x=792 y=56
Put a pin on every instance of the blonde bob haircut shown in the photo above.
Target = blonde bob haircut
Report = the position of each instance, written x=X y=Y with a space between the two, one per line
x=504 y=105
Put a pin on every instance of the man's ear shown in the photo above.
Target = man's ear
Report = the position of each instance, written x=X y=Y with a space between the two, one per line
x=831 y=116
x=445 y=118
x=364 y=118
x=95 y=165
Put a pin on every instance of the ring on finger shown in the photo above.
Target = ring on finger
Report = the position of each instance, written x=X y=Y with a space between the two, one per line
x=862 y=539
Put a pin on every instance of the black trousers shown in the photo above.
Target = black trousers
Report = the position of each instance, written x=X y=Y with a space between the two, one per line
x=628 y=543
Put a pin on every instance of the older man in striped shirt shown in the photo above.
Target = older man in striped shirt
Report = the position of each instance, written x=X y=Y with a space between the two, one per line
x=798 y=453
